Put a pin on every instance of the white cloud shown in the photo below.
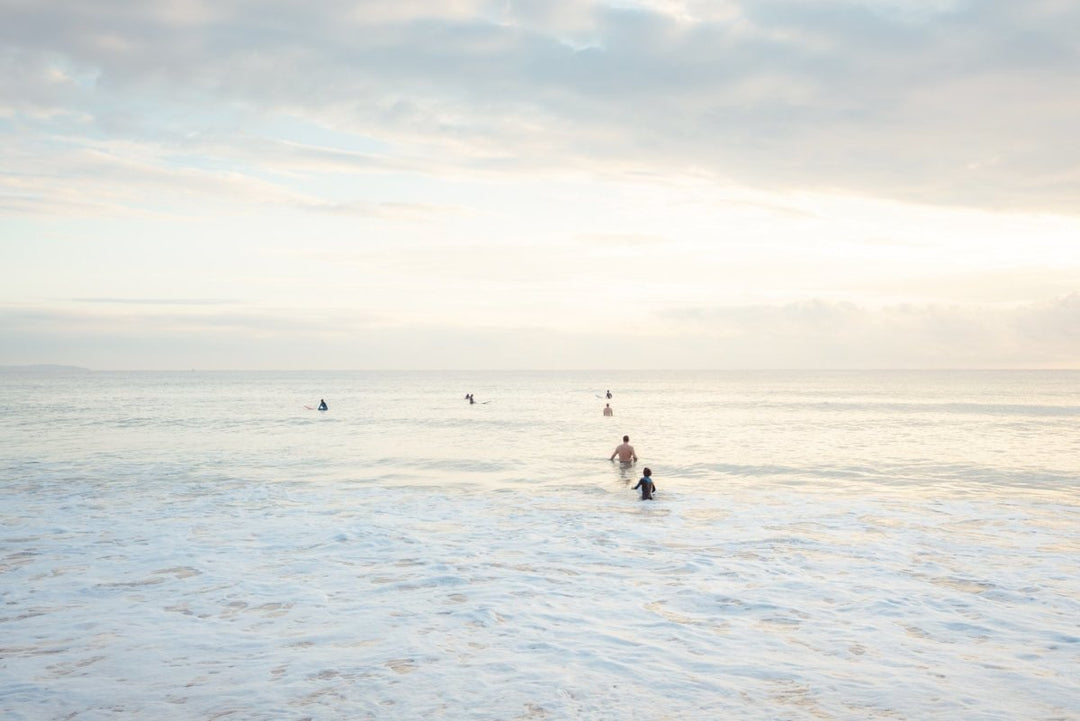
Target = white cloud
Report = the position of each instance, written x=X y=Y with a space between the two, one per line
x=853 y=182
x=940 y=102
x=812 y=334
x=843 y=335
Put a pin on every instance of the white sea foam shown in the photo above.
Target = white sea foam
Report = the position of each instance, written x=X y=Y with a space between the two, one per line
x=821 y=547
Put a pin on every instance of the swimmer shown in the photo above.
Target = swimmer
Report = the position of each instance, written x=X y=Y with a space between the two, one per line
x=607 y=410
x=646 y=485
x=624 y=451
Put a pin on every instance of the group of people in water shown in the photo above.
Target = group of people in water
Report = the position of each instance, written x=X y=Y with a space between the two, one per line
x=624 y=451
x=627 y=455
x=608 y=411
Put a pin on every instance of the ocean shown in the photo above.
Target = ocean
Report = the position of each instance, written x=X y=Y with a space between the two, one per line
x=822 y=545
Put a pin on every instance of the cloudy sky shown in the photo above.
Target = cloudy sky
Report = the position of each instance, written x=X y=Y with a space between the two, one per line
x=540 y=183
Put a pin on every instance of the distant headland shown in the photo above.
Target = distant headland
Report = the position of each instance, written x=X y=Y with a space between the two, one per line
x=43 y=368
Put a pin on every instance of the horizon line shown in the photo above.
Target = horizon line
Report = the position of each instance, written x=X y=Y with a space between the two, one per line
x=62 y=367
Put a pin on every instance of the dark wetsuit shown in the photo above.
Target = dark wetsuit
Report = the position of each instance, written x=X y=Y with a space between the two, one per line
x=647 y=488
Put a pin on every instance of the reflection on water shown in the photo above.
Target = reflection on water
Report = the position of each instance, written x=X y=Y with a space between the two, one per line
x=626 y=472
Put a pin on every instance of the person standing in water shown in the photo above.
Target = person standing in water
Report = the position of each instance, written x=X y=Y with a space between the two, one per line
x=609 y=394
x=646 y=485
x=624 y=451
x=607 y=410
x=322 y=405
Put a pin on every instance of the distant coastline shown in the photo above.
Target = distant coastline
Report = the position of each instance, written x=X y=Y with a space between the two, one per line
x=43 y=368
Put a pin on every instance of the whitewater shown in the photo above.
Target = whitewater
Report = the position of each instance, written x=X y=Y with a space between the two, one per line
x=823 y=545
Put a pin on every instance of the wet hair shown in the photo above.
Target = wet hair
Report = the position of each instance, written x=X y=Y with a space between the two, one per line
x=626 y=439
x=647 y=471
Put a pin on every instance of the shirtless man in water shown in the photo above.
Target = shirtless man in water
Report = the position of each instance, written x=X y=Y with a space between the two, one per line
x=624 y=451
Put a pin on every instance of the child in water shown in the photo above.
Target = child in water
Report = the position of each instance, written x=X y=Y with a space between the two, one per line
x=646 y=485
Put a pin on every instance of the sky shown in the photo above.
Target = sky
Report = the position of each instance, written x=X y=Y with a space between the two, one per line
x=540 y=184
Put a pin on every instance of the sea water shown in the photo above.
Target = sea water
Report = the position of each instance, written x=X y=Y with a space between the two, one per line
x=876 y=545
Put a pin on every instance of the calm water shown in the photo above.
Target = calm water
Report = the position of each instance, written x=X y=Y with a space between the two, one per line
x=701 y=429
x=823 y=545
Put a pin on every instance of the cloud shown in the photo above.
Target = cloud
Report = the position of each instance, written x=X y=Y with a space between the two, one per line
x=1055 y=324
x=121 y=176
x=621 y=239
x=944 y=102
x=157 y=301
x=824 y=334
x=811 y=334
